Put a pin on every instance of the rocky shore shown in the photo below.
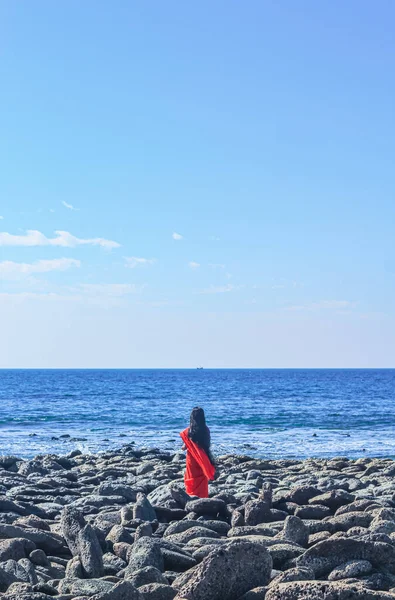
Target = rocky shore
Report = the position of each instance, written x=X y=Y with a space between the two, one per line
x=119 y=526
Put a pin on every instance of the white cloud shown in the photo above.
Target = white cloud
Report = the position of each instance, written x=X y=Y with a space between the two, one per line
x=110 y=289
x=220 y=289
x=194 y=265
x=51 y=210
x=325 y=305
x=63 y=239
x=1 y=217
x=69 y=206
x=134 y=261
x=177 y=236
x=10 y=269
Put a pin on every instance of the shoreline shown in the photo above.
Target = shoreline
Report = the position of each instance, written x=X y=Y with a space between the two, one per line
x=117 y=525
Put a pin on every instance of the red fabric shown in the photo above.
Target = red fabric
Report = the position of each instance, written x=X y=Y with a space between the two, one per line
x=199 y=469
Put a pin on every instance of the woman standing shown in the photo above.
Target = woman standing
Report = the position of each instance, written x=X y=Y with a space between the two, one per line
x=200 y=464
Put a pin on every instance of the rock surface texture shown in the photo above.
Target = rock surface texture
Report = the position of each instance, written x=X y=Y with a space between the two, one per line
x=119 y=526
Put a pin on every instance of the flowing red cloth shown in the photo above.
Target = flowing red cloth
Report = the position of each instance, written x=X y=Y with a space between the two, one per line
x=199 y=469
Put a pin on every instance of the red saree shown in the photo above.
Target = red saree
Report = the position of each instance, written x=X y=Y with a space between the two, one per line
x=199 y=469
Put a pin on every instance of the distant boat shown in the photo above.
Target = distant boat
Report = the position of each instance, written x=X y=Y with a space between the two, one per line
x=199 y=368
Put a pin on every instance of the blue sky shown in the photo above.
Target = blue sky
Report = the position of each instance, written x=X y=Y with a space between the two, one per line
x=260 y=133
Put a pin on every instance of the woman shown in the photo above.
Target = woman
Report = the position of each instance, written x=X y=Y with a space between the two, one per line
x=200 y=464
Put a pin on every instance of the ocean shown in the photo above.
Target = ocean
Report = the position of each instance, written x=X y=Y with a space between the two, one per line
x=266 y=413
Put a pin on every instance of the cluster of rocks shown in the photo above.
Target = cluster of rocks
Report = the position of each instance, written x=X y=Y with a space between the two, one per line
x=119 y=526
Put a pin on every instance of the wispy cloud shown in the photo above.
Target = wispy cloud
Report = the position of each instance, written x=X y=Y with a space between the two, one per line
x=110 y=289
x=324 y=305
x=133 y=261
x=63 y=239
x=214 y=238
x=1 y=217
x=69 y=206
x=194 y=265
x=10 y=269
x=51 y=210
x=220 y=289
x=177 y=236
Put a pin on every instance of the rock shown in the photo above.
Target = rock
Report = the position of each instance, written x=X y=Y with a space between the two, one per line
x=112 y=564
x=90 y=552
x=15 y=548
x=295 y=531
x=312 y=511
x=352 y=568
x=146 y=575
x=256 y=511
x=333 y=499
x=38 y=557
x=117 y=489
x=299 y=494
x=175 y=561
x=71 y=523
x=145 y=552
x=323 y=590
x=124 y=590
x=283 y=552
x=228 y=572
x=258 y=593
x=329 y=554
x=143 y=530
x=157 y=591
x=295 y=574
x=117 y=534
x=74 y=569
x=84 y=587
x=143 y=509
x=6 y=579
x=206 y=506
x=49 y=542
x=194 y=532
x=347 y=520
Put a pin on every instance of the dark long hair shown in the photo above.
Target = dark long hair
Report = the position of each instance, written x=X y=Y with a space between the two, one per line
x=199 y=432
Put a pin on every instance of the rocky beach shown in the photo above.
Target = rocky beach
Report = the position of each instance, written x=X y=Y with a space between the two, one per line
x=118 y=525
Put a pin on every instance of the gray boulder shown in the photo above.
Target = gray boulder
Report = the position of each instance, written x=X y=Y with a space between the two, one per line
x=157 y=591
x=90 y=552
x=146 y=575
x=323 y=590
x=71 y=523
x=143 y=509
x=329 y=554
x=352 y=568
x=145 y=552
x=228 y=572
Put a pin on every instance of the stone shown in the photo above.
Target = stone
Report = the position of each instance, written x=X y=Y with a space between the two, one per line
x=352 y=568
x=90 y=552
x=15 y=548
x=145 y=552
x=323 y=590
x=143 y=509
x=124 y=590
x=71 y=523
x=256 y=512
x=157 y=591
x=295 y=531
x=38 y=557
x=228 y=572
x=206 y=506
x=146 y=575
x=329 y=554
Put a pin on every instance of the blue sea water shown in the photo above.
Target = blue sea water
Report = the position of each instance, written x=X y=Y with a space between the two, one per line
x=268 y=413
